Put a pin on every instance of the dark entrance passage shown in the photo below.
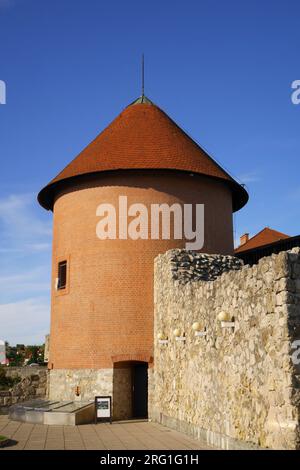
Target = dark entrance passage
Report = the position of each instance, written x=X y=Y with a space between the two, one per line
x=140 y=390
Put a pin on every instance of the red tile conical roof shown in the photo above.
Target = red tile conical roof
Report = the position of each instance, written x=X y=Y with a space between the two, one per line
x=142 y=137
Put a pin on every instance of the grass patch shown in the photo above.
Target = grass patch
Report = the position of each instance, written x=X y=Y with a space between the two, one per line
x=3 y=438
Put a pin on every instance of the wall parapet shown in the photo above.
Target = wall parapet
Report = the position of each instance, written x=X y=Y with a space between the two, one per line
x=190 y=266
x=241 y=383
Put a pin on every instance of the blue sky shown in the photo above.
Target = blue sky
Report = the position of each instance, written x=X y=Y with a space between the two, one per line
x=221 y=70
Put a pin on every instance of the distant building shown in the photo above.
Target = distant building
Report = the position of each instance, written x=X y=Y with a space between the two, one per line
x=264 y=243
x=3 y=360
x=262 y=238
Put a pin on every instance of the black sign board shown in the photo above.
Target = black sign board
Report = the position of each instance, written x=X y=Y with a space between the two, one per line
x=103 y=409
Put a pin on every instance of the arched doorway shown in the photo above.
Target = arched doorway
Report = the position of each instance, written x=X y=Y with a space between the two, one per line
x=130 y=390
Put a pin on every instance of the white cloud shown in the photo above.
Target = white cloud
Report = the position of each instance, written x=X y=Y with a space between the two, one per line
x=39 y=246
x=236 y=242
x=25 y=249
x=25 y=282
x=30 y=248
x=26 y=321
x=250 y=177
x=19 y=219
x=24 y=229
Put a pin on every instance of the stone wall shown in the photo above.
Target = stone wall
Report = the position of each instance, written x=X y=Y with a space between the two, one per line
x=90 y=382
x=191 y=266
x=115 y=382
x=234 y=386
x=33 y=384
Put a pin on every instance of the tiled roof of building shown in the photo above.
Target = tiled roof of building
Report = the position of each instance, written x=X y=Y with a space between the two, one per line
x=142 y=137
x=264 y=237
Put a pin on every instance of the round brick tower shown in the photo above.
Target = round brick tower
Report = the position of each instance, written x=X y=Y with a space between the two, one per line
x=101 y=339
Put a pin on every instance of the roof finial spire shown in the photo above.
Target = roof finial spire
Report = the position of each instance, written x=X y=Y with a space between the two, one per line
x=143 y=76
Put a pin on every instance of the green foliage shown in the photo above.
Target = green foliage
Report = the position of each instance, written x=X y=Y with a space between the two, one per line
x=15 y=360
x=33 y=350
x=7 y=382
x=21 y=355
x=2 y=374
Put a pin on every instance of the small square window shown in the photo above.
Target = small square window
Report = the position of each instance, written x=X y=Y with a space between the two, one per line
x=62 y=275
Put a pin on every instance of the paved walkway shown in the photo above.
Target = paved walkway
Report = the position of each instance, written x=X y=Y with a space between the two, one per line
x=117 y=436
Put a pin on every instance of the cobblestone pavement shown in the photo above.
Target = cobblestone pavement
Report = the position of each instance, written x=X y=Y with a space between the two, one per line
x=135 y=435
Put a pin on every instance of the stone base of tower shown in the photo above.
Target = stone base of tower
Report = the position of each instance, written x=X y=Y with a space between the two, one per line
x=85 y=384
x=79 y=384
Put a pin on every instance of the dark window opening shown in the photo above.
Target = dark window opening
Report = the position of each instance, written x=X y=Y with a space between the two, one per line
x=62 y=275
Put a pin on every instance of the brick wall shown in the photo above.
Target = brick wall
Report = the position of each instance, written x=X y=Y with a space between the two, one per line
x=107 y=307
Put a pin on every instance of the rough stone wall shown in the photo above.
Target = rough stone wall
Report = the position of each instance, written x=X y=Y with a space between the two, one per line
x=191 y=266
x=33 y=384
x=91 y=382
x=238 y=386
x=115 y=382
